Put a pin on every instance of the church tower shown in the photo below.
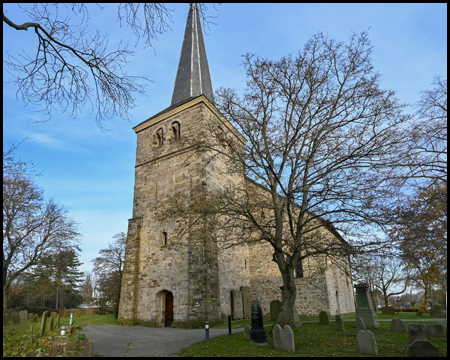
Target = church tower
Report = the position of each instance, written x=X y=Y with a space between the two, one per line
x=170 y=275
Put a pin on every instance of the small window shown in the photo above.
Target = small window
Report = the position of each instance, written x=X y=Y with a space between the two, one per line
x=299 y=269
x=176 y=131
x=159 y=137
x=164 y=238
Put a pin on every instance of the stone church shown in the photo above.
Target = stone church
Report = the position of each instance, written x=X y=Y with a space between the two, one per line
x=169 y=278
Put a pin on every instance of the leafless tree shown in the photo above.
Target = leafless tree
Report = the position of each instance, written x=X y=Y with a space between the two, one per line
x=71 y=67
x=32 y=227
x=318 y=130
x=109 y=269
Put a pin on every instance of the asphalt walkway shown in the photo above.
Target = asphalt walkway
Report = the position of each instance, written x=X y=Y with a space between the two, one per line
x=112 y=340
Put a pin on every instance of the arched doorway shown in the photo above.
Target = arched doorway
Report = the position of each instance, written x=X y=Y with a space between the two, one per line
x=168 y=313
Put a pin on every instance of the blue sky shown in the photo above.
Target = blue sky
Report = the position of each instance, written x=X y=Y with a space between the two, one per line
x=91 y=172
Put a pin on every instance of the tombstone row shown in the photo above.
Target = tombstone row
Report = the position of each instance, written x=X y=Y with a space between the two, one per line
x=241 y=303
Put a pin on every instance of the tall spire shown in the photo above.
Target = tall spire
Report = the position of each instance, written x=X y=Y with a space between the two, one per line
x=193 y=76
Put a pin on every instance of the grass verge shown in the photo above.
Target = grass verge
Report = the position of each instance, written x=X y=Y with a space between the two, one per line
x=313 y=340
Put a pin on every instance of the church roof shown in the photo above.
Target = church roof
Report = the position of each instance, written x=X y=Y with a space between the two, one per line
x=193 y=76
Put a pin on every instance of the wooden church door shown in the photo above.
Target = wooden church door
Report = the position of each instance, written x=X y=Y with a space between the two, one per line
x=168 y=318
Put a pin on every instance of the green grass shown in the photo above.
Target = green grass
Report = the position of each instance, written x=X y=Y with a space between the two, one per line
x=314 y=340
x=17 y=338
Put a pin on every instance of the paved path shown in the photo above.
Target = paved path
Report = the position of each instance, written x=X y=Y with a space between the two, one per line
x=112 y=340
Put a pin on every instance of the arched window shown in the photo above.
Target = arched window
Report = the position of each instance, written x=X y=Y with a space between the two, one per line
x=159 y=137
x=176 y=131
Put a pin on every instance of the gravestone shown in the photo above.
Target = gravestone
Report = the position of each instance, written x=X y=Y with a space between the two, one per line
x=51 y=323
x=275 y=309
x=58 y=319
x=35 y=318
x=324 y=318
x=23 y=314
x=364 y=306
x=417 y=332
x=15 y=318
x=436 y=310
x=30 y=315
x=367 y=343
x=397 y=325
x=339 y=323
x=283 y=338
x=436 y=330
x=53 y=314
x=5 y=319
x=236 y=305
x=83 y=348
x=246 y=302
x=43 y=323
x=90 y=312
x=360 y=324
x=423 y=349
x=77 y=313
x=247 y=332
x=62 y=312
x=294 y=321
x=388 y=310
x=257 y=332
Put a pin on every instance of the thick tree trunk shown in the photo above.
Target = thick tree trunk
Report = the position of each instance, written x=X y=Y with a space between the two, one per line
x=288 y=295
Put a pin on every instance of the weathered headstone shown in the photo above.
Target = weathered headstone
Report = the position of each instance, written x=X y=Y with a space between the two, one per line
x=236 y=305
x=53 y=314
x=275 y=309
x=388 y=310
x=367 y=343
x=23 y=314
x=58 y=319
x=436 y=330
x=51 y=323
x=62 y=312
x=417 y=332
x=15 y=318
x=397 y=325
x=294 y=320
x=77 y=313
x=360 y=324
x=30 y=315
x=43 y=323
x=436 y=311
x=324 y=318
x=247 y=332
x=257 y=332
x=90 y=312
x=72 y=348
x=246 y=302
x=6 y=319
x=283 y=338
x=423 y=349
x=364 y=306
x=339 y=323
x=35 y=318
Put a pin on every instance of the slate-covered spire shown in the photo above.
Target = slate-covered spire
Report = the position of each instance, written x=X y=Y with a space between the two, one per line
x=193 y=76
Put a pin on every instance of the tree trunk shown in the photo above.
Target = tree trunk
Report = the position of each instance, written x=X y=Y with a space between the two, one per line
x=288 y=295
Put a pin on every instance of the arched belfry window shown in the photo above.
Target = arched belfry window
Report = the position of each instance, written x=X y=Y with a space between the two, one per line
x=164 y=238
x=159 y=137
x=176 y=131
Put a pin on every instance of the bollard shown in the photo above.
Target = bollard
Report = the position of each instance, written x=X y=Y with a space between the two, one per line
x=229 y=324
x=71 y=317
x=206 y=332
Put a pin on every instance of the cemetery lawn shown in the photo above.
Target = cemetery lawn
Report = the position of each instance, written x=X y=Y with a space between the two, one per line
x=17 y=338
x=314 y=340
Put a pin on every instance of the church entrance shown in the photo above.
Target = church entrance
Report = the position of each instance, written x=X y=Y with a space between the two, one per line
x=168 y=314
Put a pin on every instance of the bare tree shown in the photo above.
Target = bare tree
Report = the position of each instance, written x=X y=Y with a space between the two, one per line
x=109 y=269
x=31 y=226
x=70 y=67
x=318 y=129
